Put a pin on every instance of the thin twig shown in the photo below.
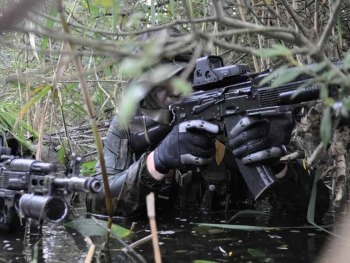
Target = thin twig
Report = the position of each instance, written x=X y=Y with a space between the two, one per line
x=152 y=221
x=137 y=243
x=91 y=252
x=91 y=112
x=332 y=20
x=121 y=241
x=295 y=18
x=235 y=23
x=243 y=17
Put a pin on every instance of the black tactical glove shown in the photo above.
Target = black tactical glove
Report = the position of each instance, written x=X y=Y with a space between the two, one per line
x=189 y=143
x=251 y=142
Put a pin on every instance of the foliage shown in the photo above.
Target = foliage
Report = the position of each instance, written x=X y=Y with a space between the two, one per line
x=88 y=168
x=104 y=34
x=89 y=227
x=43 y=84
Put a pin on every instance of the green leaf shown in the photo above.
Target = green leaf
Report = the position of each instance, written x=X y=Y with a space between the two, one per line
x=96 y=227
x=312 y=206
x=239 y=227
x=345 y=107
x=134 y=19
x=330 y=75
x=182 y=86
x=189 y=7
x=246 y=213
x=326 y=126
x=153 y=12
x=62 y=150
x=49 y=24
x=340 y=32
x=129 y=103
x=281 y=76
x=324 y=91
x=256 y=253
x=275 y=51
x=316 y=68
x=131 y=68
x=270 y=77
x=203 y=261
x=172 y=8
x=347 y=61
x=115 y=12
x=88 y=168
x=346 y=102
x=254 y=228
x=61 y=154
x=105 y=3
x=41 y=92
x=312 y=202
x=285 y=76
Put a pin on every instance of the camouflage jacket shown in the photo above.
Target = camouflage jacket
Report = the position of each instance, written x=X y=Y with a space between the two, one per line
x=129 y=179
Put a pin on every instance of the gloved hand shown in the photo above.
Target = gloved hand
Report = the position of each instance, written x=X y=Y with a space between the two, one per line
x=189 y=143
x=250 y=141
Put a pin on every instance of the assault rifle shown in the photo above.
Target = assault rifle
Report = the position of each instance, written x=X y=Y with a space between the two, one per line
x=31 y=189
x=226 y=94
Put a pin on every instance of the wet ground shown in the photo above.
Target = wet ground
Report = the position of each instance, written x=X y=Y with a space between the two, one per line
x=181 y=240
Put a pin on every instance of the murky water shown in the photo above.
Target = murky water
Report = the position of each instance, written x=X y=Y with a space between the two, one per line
x=55 y=244
x=181 y=240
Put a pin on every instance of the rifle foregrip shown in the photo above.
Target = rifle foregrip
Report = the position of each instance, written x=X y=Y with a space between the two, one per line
x=257 y=177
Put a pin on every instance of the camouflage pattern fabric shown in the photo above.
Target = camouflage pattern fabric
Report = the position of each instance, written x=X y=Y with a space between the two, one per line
x=128 y=176
x=128 y=190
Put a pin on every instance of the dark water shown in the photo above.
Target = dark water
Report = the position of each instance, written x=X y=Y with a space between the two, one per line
x=180 y=238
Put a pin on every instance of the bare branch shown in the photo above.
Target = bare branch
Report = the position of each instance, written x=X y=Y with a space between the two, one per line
x=295 y=18
x=289 y=37
x=331 y=22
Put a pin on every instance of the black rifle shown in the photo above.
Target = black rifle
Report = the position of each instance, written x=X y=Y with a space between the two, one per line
x=226 y=94
x=31 y=189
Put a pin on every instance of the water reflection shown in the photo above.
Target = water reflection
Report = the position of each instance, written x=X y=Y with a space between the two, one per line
x=181 y=240
x=55 y=244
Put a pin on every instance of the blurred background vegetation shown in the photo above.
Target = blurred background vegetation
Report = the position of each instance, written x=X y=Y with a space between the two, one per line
x=53 y=52
x=65 y=65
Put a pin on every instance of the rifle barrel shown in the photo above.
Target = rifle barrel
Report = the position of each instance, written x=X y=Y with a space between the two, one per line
x=79 y=184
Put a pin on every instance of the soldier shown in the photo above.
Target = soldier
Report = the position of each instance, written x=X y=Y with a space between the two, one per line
x=148 y=154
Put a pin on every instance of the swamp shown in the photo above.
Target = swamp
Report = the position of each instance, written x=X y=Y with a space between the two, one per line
x=183 y=237
x=67 y=68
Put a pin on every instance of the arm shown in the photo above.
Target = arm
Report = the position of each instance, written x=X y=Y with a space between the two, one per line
x=189 y=143
x=117 y=153
x=152 y=169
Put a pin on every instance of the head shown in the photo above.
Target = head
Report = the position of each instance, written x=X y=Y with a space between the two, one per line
x=158 y=79
x=163 y=93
